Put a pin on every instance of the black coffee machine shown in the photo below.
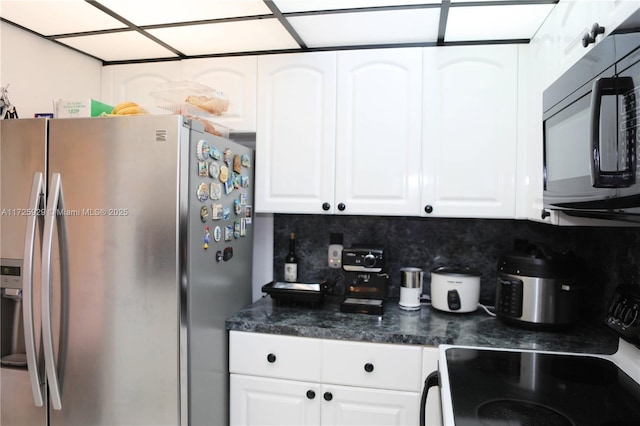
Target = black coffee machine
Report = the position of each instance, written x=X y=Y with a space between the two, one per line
x=366 y=279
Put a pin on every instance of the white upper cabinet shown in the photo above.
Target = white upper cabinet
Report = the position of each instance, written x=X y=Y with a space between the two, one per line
x=575 y=18
x=295 y=139
x=378 y=136
x=470 y=131
x=134 y=82
x=236 y=78
x=339 y=133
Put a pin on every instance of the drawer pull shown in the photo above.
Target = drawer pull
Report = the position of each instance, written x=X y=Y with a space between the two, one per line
x=311 y=394
x=271 y=358
x=368 y=367
x=327 y=396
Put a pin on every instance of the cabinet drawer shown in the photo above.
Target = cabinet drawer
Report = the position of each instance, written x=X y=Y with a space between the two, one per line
x=372 y=365
x=285 y=357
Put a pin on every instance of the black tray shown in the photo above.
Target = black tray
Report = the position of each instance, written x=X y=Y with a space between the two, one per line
x=355 y=305
x=284 y=293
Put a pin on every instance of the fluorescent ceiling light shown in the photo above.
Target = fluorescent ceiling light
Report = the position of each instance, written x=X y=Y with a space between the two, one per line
x=171 y=11
x=57 y=17
x=121 y=46
x=495 y=22
x=227 y=37
x=287 y=6
x=362 y=28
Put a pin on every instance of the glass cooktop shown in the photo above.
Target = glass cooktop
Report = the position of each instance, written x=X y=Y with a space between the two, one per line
x=493 y=387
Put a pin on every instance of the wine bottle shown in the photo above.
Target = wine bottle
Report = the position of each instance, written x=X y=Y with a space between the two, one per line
x=291 y=261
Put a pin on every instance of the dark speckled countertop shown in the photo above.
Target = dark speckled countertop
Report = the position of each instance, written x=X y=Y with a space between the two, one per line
x=424 y=327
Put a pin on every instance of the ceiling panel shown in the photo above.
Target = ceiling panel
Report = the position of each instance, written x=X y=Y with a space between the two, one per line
x=495 y=22
x=57 y=17
x=172 y=11
x=122 y=46
x=356 y=29
x=114 y=30
x=241 y=36
x=287 y=6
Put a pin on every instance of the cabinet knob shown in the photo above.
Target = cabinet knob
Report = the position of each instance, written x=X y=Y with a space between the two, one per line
x=327 y=396
x=326 y=206
x=596 y=30
x=368 y=367
x=587 y=40
x=311 y=394
x=545 y=214
x=428 y=208
x=271 y=358
x=341 y=207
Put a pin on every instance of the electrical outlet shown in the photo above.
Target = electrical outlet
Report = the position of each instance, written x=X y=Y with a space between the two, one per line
x=334 y=253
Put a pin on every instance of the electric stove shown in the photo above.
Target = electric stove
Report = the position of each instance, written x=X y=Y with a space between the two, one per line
x=489 y=386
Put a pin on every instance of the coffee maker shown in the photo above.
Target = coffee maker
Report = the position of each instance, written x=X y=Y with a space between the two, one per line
x=366 y=279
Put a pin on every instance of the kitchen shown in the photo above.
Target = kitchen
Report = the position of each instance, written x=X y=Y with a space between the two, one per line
x=464 y=234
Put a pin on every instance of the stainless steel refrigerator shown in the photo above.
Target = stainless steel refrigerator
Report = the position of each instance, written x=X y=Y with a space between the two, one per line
x=125 y=244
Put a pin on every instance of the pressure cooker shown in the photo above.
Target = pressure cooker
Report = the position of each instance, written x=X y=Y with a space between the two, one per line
x=539 y=288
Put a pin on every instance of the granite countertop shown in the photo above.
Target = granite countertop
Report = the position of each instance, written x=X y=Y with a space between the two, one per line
x=424 y=327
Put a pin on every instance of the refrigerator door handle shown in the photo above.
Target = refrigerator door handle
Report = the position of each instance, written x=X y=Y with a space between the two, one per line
x=54 y=205
x=36 y=206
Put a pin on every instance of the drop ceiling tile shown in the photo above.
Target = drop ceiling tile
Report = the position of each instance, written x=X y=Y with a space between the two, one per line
x=495 y=22
x=227 y=37
x=57 y=17
x=171 y=11
x=120 y=46
x=287 y=6
x=362 y=28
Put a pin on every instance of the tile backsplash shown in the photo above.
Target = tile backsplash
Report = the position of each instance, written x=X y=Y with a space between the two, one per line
x=610 y=254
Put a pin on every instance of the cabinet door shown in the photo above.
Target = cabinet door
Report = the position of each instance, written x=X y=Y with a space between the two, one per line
x=345 y=405
x=378 y=132
x=262 y=401
x=470 y=131
x=134 y=82
x=236 y=78
x=295 y=140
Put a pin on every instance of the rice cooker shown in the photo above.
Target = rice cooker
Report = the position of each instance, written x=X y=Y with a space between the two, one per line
x=455 y=289
x=538 y=288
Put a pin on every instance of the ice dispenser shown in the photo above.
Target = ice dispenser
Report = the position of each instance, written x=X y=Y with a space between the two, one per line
x=12 y=349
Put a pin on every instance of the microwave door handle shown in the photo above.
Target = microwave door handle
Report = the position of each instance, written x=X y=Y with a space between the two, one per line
x=36 y=205
x=601 y=87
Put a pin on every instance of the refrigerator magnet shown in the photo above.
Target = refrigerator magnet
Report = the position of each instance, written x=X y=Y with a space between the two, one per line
x=228 y=156
x=216 y=211
x=215 y=193
x=244 y=181
x=203 y=192
x=245 y=160
x=237 y=164
x=228 y=233
x=217 y=233
x=214 y=153
x=236 y=229
x=243 y=198
x=228 y=187
x=224 y=174
x=243 y=227
x=214 y=170
x=226 y=212
x=203 y=169
x=236 y=180
x=202 y=150
x=205 y=245
x=204 y=213
x=237 y=206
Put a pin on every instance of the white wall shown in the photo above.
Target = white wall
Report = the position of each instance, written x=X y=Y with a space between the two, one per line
x=38 y=70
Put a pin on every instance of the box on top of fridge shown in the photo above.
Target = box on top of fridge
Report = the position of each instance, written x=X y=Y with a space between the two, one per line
x=73 y=108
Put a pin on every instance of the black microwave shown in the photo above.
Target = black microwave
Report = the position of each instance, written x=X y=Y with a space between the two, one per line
x=591 y=158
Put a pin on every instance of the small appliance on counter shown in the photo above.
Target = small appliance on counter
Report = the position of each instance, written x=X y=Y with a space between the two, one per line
x=455 y=289
x=287 y=293
x=538 y=288
x=410 y=288
x=366 y=279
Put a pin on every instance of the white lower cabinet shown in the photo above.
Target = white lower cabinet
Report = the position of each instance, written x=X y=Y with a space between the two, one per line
x=357 y=383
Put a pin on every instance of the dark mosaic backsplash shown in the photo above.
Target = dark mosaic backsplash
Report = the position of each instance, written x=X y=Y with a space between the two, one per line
x=610 y=254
